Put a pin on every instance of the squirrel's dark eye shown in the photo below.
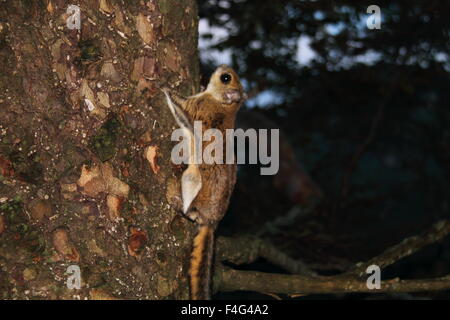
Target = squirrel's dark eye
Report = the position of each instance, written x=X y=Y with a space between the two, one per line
x=225 y=78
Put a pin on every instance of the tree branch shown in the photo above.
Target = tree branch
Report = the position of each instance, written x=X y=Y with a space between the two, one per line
x=234 y=280
x=252 y=248
x=405 y=248
x=307 y=282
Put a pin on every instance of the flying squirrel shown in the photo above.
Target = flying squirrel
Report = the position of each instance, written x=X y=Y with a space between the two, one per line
x=206 y=188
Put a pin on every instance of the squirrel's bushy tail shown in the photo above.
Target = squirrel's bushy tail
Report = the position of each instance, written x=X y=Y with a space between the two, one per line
x=201 y=263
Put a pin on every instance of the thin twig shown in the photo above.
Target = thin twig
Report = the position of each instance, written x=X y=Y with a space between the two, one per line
x=345 y=185
x=405 y=248
x=281 y=222
x=252 y=248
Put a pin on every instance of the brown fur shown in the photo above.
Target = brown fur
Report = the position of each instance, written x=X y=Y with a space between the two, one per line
x=201 y=258
x=215 y=108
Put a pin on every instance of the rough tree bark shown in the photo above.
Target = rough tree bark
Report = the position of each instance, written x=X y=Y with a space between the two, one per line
x=85 y=147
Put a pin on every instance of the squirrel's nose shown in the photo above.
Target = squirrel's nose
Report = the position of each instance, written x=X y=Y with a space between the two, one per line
x=231 y=96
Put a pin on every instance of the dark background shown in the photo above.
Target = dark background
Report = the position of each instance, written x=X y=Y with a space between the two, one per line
x=367 y=117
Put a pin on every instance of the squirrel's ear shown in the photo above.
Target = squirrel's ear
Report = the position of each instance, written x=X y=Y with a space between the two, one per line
x=191 y=183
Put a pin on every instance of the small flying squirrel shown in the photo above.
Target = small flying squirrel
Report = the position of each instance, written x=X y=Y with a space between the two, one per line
x=206 y=188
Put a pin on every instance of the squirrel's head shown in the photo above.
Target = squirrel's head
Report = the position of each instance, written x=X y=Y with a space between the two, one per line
x=225 y=86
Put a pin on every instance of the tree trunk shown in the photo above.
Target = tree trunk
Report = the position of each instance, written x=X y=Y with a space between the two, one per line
x=85 y=148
